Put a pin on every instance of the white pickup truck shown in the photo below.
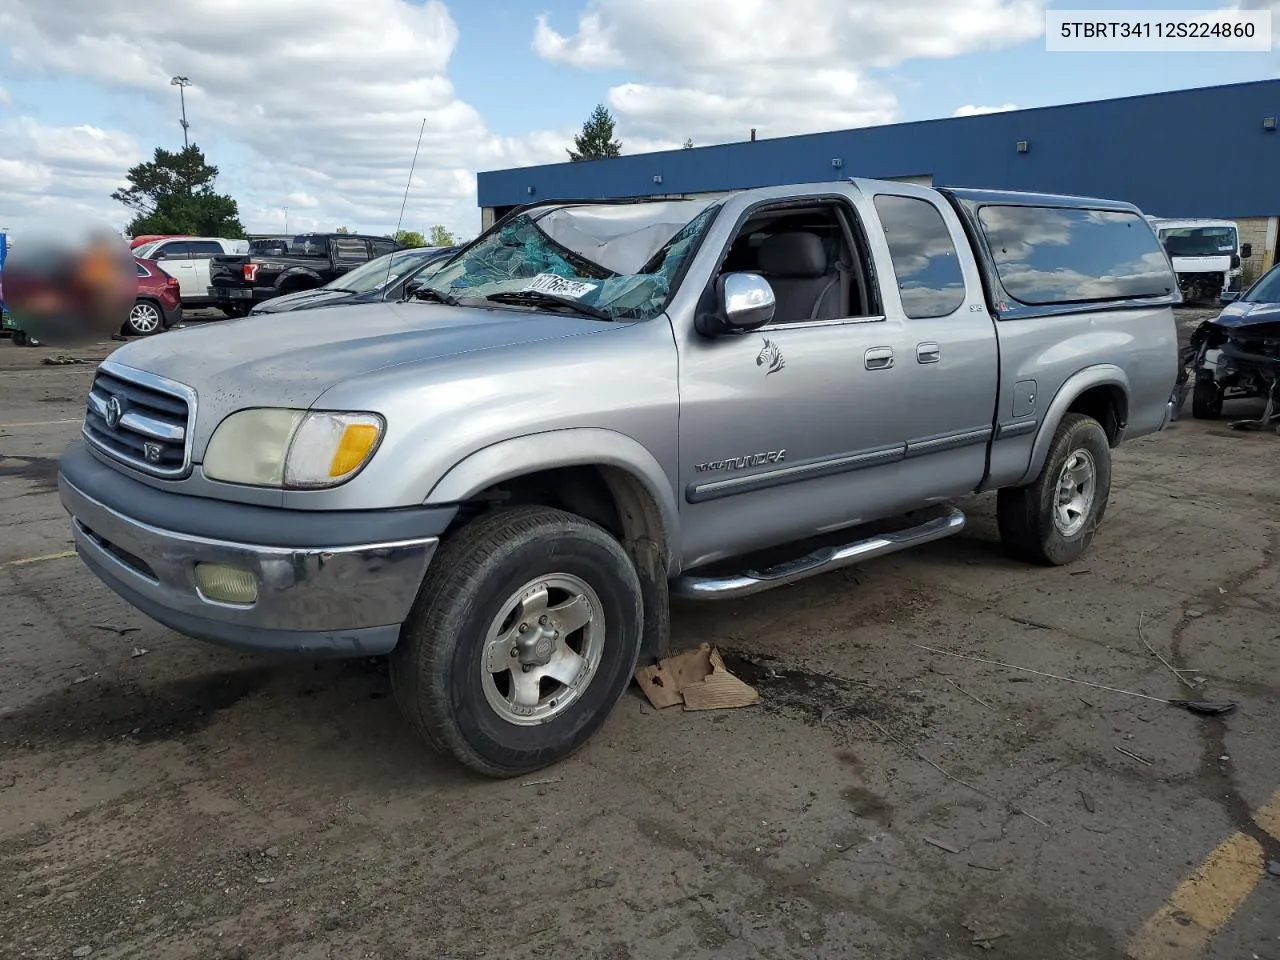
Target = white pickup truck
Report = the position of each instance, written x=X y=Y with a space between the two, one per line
x=187 y=259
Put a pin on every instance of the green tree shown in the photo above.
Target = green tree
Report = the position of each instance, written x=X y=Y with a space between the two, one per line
x=409 y=238
x=596 y=139
x=173 y=193
x=342 y=230
x=688 y=144
x=441 y=237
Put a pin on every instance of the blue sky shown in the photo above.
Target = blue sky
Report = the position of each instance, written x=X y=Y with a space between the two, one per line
x=314 y=105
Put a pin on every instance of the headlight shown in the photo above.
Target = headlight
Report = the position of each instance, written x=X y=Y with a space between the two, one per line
x=294 y=449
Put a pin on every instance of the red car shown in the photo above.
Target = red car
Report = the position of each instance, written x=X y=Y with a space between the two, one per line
x=159 y=304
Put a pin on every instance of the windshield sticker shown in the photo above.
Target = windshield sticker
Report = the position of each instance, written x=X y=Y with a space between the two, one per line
x=558 y=286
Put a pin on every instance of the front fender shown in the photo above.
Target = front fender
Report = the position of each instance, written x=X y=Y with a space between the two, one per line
x=574 y=447
x=1099 y=375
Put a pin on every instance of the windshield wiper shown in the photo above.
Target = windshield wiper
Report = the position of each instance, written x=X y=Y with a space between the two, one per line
x=435 y=296
x=536 y=298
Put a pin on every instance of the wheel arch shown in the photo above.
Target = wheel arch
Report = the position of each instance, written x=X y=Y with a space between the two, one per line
x=599 y=474
x=1100 y=391
x=290 y=281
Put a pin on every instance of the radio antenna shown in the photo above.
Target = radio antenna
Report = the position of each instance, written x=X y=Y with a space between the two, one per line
x=405 y=201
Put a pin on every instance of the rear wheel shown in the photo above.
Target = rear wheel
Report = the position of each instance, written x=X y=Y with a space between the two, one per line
x=1052 y=521
x=144 y=319
x=236 y=310
x=1206 y=400
x=523 y=637
x=19 y=338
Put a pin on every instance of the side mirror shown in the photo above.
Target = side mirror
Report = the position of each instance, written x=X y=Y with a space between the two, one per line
x=745 y=301
x=412 y=287
x=1228 y=296
x=1246 y=251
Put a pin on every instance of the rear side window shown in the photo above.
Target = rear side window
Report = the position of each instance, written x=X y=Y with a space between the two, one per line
x=1047 y=255
x=204 y=248
x=349 y=250
x=930 y=281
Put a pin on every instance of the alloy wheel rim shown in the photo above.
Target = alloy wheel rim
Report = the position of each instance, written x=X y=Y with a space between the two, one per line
x=543 y=649
x=144 y=317
x=1076 y=489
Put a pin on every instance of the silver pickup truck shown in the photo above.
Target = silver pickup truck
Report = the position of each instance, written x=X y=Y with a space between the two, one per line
x=501 y=480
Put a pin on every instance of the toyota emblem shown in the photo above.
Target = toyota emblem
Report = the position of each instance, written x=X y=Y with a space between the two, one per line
x=113 y=412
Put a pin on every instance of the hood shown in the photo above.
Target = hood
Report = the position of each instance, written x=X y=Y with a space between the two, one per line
x=302 y=300
x=290 y=359
x=1246 y=314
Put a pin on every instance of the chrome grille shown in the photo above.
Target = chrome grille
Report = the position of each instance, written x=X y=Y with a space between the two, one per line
x=140 y=419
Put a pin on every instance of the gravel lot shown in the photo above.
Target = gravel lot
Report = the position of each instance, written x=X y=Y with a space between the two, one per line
x=161 y=798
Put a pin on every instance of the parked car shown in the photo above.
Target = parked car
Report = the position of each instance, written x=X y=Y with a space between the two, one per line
x=594 y=405
x=159 y=303
x=304 y=262
x=385 y=278
x=1236 y=355
x=188 y=260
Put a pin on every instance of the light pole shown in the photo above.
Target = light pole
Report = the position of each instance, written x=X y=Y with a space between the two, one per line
x=286 y=219
x=182 y=83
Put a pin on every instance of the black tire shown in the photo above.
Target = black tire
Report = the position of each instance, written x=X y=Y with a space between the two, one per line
x=19 y=338
x=438 y=669
x=145 y=318
x=1206 y=400
x=1026 y=515
x=236 y=310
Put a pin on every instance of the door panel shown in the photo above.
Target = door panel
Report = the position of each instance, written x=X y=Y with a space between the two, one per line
x=768 y=457
x=953 y=361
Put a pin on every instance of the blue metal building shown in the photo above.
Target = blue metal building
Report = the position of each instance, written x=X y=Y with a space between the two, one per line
x=1206 y=152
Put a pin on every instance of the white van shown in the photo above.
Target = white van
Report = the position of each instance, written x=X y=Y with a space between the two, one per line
x=1206 y=255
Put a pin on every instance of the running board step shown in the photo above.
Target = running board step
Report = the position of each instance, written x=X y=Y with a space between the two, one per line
x=819 y=561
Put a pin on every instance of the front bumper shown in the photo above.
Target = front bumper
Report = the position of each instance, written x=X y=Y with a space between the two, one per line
x=313 y=600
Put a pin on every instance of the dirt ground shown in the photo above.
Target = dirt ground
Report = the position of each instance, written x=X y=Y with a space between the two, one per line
x=166 y=799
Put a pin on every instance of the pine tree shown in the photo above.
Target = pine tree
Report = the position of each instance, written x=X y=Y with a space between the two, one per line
x=596 y=139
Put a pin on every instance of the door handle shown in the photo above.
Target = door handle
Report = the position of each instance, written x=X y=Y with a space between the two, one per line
x=928 y=352
x=878 y=358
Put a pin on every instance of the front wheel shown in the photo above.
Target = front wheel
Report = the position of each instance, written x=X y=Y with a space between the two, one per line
x=523 y=637
x=1206 y=400
x=1052 y=521
x=144 y=319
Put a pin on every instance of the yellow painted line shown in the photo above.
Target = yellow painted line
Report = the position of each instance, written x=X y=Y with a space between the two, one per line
x=1267 y=816
x=48 y=556
x=1202 y=903
x=39 y=423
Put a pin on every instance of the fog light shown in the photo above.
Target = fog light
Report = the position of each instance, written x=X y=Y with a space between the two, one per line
x=226 y=584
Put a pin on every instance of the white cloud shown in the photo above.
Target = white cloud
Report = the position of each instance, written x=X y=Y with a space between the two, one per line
x=53 y=171
x=5 y=99
x=971 y=110
x=327 y=96
x=713 y=69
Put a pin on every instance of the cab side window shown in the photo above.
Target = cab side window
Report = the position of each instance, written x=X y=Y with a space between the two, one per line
x=175 y=250
x=811 y=257
x=925 y=261
x=200 y=249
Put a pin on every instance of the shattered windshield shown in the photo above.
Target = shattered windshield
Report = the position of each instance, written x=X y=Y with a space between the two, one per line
x=619 y=259
x=1199 y=241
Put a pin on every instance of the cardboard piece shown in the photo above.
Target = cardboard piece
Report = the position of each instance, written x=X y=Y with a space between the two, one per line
x=698 y=679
